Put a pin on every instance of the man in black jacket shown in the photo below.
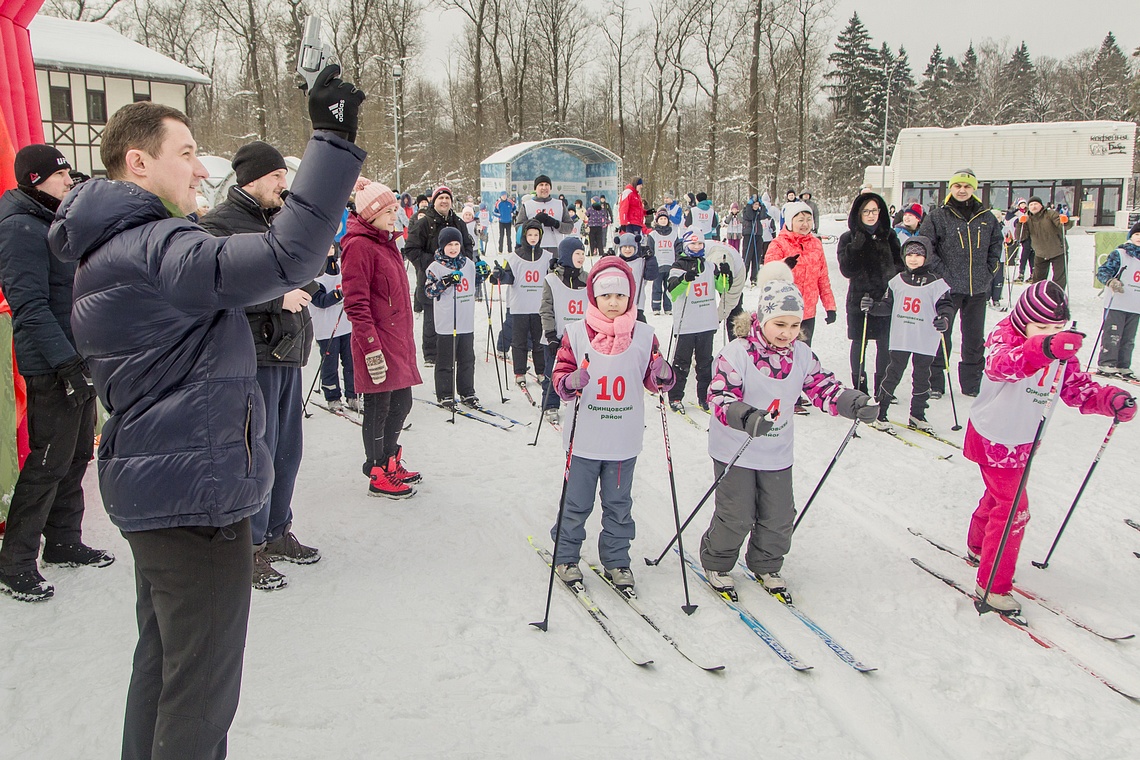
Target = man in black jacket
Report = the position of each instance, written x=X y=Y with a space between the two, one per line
x=282 y=336
x=967 y=240
x=48 y=499
x=423 y=236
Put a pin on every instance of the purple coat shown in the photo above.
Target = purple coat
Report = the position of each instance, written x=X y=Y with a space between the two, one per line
x=378 y=302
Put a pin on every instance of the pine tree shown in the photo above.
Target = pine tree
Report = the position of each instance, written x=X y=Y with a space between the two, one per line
x=934 y=91
x=1109 y=80
x=853 y=80
x=1019 y=82
x=965 y=90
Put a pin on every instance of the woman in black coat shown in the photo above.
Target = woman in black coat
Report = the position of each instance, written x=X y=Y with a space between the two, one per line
x=869 y=256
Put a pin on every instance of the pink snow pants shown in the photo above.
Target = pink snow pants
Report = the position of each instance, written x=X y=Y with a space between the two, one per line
x=988 y=523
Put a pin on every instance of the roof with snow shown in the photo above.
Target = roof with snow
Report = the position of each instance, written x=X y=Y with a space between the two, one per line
x=91 y=48
x=588 y=152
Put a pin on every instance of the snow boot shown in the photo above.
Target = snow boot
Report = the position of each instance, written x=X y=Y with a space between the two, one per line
x=28 y=586
x=553 y=416
x=1104 y=369
x=720 y=581
x=1003 y=604
x=974 y=556
x=265 y=577
x=354 y=404
x=622 y=577
x=380 y=484
x=76 y=555
x=935 y=395
x=335 y=405
x=520 y=381
x=396 y=471
x=920 y=424
x=677 y=406
x=569 y=572
x=775 y=585
x=289 y=549
x=471 y=402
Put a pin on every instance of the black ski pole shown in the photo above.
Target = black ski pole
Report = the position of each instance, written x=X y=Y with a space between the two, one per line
x=538 y=426
x=822 y=480
x=688 y=607
x=502 y=326
x=491 y=347
x=981 y=605
x=1081 y=490
x=1100 y=332
x=860 y=379
x=701 y=503
x=950 y=383
x=454 y=347
x=545 y=622
x=324 y=357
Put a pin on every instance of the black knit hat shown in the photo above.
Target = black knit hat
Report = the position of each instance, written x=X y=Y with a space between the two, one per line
x=448 y=235
x=35 y=163
x=702 y=197
x=254 y=160
x=1134 y=230
x=540 y=179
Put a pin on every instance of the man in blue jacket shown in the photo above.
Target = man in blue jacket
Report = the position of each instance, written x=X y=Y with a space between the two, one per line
x=48 y=499
x=183 y=464
x=505 y=211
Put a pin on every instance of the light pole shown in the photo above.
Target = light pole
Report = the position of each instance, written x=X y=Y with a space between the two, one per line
x=397 y=72
x=886 y=119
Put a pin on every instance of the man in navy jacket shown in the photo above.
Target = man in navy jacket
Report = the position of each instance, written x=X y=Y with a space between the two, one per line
x=183 y=463
x=48 y=499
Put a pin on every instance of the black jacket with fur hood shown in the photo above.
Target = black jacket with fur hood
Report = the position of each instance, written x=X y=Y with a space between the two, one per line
x=869 y=258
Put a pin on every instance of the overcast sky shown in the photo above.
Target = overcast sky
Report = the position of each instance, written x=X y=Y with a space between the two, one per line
x=1049 y=27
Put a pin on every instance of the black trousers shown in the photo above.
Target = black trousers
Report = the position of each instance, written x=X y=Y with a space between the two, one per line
x=597 y=237
x=882 y=359
x=524 y=326
x=920 y=380
x=48 y=499
x=807 y=330
x=460 y=380
x=550 y=398
x=427 y=338
x=384 y=415
x=1057 y=263
x=693 y=348
x=336 y=353
x=504 y=234
x=193 y=611
x=973 y=311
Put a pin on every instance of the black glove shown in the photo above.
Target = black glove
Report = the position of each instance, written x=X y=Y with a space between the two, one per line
x=690 y=275
x=452 y=278
x=552 y=337
x=546 y=220
x=748 y=419
x=335 y=105
x=76 y=382
x=941 y=323
x=723 y=268
x=865 y=303
x=791 y=261
x=830 y=319
x=854 y=404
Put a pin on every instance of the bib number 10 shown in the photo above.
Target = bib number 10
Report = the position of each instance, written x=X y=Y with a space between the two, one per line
x=618 y=389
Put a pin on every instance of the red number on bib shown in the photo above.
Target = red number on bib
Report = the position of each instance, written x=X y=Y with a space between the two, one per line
x=700 y=289
x=463 y=286
x=913 y=305
x=575 y=307
x=532 y=275
x=1136 y=276
x=619 y=389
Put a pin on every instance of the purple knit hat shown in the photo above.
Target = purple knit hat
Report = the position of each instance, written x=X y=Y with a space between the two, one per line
x=1042 y=302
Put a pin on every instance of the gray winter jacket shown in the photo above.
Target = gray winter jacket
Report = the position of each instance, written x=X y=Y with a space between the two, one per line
x=968 y=242
x=159 y=318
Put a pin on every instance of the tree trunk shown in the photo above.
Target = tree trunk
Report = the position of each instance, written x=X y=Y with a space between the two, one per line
x=754 y=106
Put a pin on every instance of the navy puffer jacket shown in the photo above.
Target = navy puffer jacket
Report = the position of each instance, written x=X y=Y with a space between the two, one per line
x=159 y=317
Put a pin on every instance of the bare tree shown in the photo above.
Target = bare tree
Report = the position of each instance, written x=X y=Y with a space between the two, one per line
x=81 y=10
x=807 y=24
x=623 y=39
x=670 y=33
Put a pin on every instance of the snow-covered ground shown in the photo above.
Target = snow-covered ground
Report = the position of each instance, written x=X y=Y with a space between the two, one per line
x=410 y=639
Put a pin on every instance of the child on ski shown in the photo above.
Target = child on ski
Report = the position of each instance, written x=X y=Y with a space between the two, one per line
x=919 y=305
x=602 y=360
x=643 y=264
x=524 y=272
x=334 y=338
x=663 y=239
x=695 y=318
x=758 y=378
x=1120 y=274
x=1024 y=355
x=563 y=303
x=452 y=281
x=733 y=227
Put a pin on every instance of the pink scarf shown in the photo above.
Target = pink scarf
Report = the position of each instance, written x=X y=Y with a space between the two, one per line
x=612 y=335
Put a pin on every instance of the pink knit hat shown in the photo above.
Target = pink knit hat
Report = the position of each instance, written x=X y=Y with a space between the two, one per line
x=372 y=198
x=1042 y=302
